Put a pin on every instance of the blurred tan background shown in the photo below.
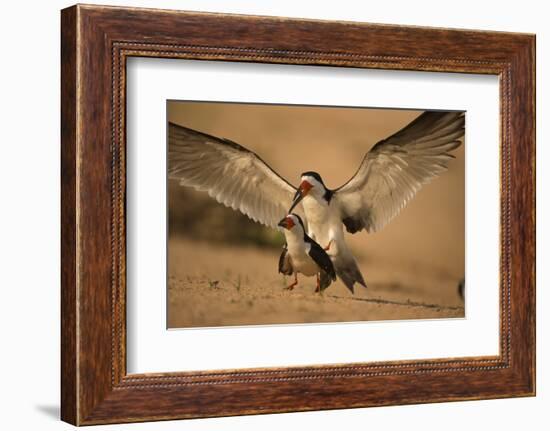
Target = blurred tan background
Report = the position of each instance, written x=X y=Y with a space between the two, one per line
x=223 y=267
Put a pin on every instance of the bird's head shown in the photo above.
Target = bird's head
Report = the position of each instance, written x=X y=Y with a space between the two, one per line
x=312 y=184
x=291 y=221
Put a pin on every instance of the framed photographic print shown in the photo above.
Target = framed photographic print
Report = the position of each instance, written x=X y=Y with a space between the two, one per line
x=268 y=215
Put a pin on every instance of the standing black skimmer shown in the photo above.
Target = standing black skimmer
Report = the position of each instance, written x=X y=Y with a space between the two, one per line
x=389 y=176
x=303 y=255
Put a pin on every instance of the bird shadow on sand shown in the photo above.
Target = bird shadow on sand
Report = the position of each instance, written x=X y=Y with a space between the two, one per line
x=402 y=303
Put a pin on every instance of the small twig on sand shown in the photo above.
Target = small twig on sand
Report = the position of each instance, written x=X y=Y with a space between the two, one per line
x=215 y=284
x=238 y=283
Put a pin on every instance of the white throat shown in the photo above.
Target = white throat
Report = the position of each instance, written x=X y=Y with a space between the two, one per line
x=295 y=239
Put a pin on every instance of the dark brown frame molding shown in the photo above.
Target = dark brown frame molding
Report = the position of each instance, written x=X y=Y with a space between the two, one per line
x=95 y=43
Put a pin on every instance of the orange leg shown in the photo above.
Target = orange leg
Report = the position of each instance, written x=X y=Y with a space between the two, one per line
x=328 y=246
x=291 y=286
x=318 y=289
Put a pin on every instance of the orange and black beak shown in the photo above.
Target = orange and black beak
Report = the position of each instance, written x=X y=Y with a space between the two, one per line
x=287 y=223
x=302 y=192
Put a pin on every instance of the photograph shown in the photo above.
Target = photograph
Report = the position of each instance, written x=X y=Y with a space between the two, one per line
x=294 y=214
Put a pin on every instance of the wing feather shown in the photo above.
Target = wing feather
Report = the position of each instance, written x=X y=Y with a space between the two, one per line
x=396 y=168
x=229 y=173
x=285 y=262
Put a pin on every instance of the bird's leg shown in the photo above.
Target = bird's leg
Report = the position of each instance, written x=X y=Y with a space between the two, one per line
x=318 y=289
x=328 y=246
x=291 y=286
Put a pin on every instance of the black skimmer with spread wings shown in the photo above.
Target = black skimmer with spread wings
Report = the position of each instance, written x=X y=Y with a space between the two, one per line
x=389 y=176
x=303 y=255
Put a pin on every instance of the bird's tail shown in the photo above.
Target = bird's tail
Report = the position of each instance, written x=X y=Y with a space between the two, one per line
x=348 y=271
x=325 y=280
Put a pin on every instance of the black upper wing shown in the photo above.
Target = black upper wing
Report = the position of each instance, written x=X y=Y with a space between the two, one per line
x=322 y=259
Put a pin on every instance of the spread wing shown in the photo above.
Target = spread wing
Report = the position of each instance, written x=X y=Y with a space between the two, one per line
x=395 y=169
x=229 y=173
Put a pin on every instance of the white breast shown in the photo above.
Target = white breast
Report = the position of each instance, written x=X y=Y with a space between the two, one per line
x=324 y=222
x=299 y=253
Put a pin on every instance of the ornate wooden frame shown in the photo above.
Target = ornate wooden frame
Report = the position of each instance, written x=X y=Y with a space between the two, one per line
x=95 y=43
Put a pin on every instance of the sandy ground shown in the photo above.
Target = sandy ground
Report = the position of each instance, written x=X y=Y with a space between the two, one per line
x=244 y=288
